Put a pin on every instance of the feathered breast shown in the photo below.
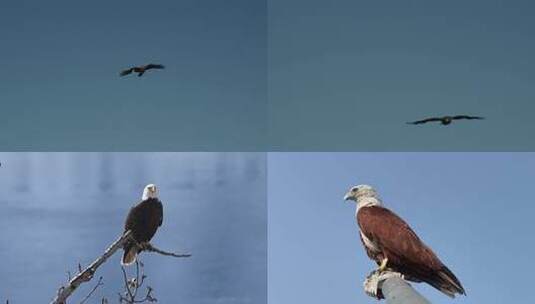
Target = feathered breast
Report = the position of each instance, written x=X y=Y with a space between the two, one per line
x=144 y=219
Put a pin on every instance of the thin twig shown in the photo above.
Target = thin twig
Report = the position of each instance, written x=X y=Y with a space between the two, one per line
x=149 y=247
x=99 y=283
x=126 y=283
x=136 y=282
x=86 y=275
x=133 y=285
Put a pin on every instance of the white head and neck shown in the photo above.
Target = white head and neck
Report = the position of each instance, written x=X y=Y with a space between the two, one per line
x=364 y=196
x=150 y=191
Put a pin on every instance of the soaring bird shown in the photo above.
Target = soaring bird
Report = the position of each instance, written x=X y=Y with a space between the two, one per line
x=140 y=70
x=143 y=220
x=392 y=244
x=445 y=120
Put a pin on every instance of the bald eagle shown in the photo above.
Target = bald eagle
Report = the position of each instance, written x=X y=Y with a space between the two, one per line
x=445 y=120
x=143 y=220
x=392 y=244
x=140 y=70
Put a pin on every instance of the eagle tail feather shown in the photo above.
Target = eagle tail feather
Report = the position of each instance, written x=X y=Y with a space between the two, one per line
x=129 y=256
x=447 y=283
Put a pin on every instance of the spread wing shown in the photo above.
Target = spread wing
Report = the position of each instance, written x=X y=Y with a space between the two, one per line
x=405 y=251
x=467 y=117
x=154 y=66
x=419 y=122
x=126 y=72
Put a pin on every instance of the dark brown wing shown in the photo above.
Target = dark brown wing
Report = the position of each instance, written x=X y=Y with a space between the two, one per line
x=419 y=122
x=467 y=117
x=126 y=72
x=144 y=219
x=154 y=66
x=405 y=251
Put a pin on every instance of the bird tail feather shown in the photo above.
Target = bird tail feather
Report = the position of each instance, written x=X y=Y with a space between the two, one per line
x=129 y=256
x=446 y=282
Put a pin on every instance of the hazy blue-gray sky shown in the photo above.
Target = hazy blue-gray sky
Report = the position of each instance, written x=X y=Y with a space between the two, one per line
x=474 y=209
x=347 y=75
x=340 y=75
x=60 y=88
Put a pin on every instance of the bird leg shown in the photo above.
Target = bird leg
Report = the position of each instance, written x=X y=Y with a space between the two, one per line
x=382 y=267
x=144 y=246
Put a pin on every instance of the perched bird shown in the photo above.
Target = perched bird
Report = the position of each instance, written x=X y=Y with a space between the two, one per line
x=446 y=120
x=143 y=220
x=393 y=245
x=140 y=70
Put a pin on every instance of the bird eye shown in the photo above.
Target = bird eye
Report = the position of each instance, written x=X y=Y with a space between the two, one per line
x=354 y=189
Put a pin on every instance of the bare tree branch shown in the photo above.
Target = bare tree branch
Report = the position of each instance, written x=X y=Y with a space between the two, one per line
x=149 y=247
x=133 y=285
x=87 y=274
x=99 y=283
x=126 y=284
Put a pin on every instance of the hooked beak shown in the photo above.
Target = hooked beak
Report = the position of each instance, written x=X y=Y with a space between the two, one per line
x=348 y=196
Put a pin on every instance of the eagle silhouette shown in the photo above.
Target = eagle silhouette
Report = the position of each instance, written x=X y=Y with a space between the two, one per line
x=140 y=70
x=445 y=120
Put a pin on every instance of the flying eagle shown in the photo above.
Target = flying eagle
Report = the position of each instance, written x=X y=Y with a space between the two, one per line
x=392 y=244
x=143 y=220
x=140 y=70
x=445 y=120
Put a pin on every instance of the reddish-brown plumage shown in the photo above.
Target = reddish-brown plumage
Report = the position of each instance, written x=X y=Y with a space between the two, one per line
x=405 y=251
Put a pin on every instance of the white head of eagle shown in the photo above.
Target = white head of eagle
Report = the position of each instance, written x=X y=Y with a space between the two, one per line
x=150 y=191
x=143 y=221
x=392 y=244
x=363 y=195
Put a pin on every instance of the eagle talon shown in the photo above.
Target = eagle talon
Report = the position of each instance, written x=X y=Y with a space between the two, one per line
x=383 y=267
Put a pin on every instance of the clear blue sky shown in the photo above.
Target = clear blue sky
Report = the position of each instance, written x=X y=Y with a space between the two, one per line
x=474 y=209
x=61 y=90
x=347 y=75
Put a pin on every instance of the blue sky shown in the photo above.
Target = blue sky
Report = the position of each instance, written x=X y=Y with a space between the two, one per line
x=61 y=90
x=347 y=75
x=474 y=209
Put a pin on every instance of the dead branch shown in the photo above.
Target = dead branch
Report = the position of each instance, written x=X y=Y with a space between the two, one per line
x=99 y=283
x=133 y=285
x=87 y=274
x=150 y=248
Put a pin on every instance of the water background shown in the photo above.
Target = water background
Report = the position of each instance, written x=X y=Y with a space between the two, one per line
x=61 y=209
